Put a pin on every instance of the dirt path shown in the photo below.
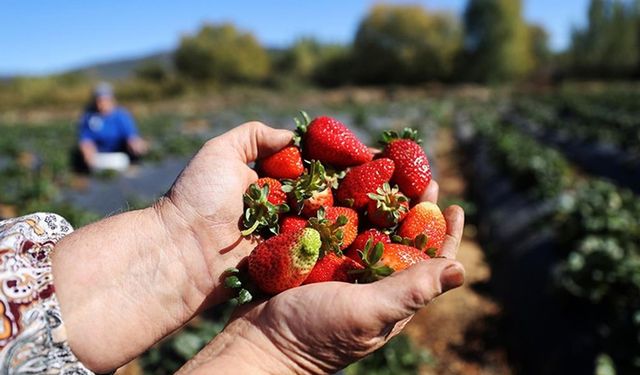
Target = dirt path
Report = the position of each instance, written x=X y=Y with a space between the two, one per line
x=455 y=326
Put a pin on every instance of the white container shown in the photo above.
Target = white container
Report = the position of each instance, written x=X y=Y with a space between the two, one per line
x=113 y=161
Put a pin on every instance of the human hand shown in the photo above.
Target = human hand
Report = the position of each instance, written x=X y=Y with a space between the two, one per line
x=137 y=146
x=127 y=281
x=321 y=328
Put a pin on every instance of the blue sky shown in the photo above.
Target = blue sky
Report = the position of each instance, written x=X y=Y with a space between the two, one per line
x=38 y=37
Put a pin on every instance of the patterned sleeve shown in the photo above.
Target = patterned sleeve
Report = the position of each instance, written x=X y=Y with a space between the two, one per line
x=32 y=335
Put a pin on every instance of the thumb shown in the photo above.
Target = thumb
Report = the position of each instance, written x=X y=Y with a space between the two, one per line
x=255 y=140
x=401 y=295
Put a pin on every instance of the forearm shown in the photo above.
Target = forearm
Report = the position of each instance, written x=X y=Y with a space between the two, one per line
x=122 y=284
x=88 y=151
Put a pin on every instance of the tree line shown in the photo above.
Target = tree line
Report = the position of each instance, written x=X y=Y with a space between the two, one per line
x=394 y=44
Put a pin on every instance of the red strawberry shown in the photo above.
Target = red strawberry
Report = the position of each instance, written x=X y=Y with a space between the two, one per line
x=350 y=228
x=382 y=260
x=310 y=191
x=338 y=227
x=425 y=218
x=412 y=172
x=276 y=195
x=387 y=207
x=264 y=200
x=361 y=241
x=286 y=163
x=328 y=140
x=362 y=180
x=333 y=267
x=284 y=261
x=400 y=257
x=291 y=223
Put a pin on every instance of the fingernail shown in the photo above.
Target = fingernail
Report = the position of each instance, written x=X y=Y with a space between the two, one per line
x=451 y=277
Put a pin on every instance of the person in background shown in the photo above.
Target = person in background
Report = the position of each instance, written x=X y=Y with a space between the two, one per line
x=107 y=136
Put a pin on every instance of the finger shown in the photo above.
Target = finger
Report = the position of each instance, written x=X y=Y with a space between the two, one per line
x=454 y=216
x=431 y=194
x=401 y=295
x=253 y=140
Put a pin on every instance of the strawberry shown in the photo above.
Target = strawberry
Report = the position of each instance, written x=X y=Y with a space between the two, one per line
x=350 y=228
x=382 y=260
x=424 y=219
x=387 y=206
x=284 y=261
x=338 y=227
x=286 y=163
x=412 y=172
x=333 y=267
x=363 y=180
x=276 y=195
x=328 y=140
x=264 y=200
x=292 y=223
x=310 y=191
x=361 y=241
x=399 y=257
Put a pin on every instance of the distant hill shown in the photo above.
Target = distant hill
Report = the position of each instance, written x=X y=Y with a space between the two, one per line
x=124 y=68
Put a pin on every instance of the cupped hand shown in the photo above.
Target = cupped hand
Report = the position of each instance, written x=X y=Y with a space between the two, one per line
x=127 y=281
x=321 y=328
x=207 y=198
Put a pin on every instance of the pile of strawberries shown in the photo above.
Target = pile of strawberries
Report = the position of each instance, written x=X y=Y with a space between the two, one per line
x=330 y=209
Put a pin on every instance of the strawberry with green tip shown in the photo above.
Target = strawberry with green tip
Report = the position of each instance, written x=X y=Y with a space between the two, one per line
x=426 y=219
x=412 y=172
x=264 y=201
x=333 y=267
x=284 y=261
x=284 y=164
x=387 y=207
x=330 y=141
x=309 y=192
x=363 y=180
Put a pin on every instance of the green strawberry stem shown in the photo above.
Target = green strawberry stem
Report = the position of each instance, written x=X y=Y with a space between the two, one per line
x=302 y=123
x=371 y=256
x=391 y=135
x=251 y=229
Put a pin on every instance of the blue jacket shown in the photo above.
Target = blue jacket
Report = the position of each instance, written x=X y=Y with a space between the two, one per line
x=109 y=133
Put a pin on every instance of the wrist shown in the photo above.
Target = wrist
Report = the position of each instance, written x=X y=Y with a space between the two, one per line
x=241 y=348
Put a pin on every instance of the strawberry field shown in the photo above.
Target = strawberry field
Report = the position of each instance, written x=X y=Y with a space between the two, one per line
x=550 y=182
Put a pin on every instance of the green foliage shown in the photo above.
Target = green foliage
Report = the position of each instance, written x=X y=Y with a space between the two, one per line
x=609 y=46
x=172 y=353
x=590 y=118
x=152 y=72
x=222 y=54
x=497 y=42
x=405 y=44
x=307 y=56
x=532 y=167
x=599 y=225
x=398 y=357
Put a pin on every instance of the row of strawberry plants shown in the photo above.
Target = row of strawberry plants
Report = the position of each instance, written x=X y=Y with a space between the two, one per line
x=585 y=120
x=596 y=229
x=596 y=154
